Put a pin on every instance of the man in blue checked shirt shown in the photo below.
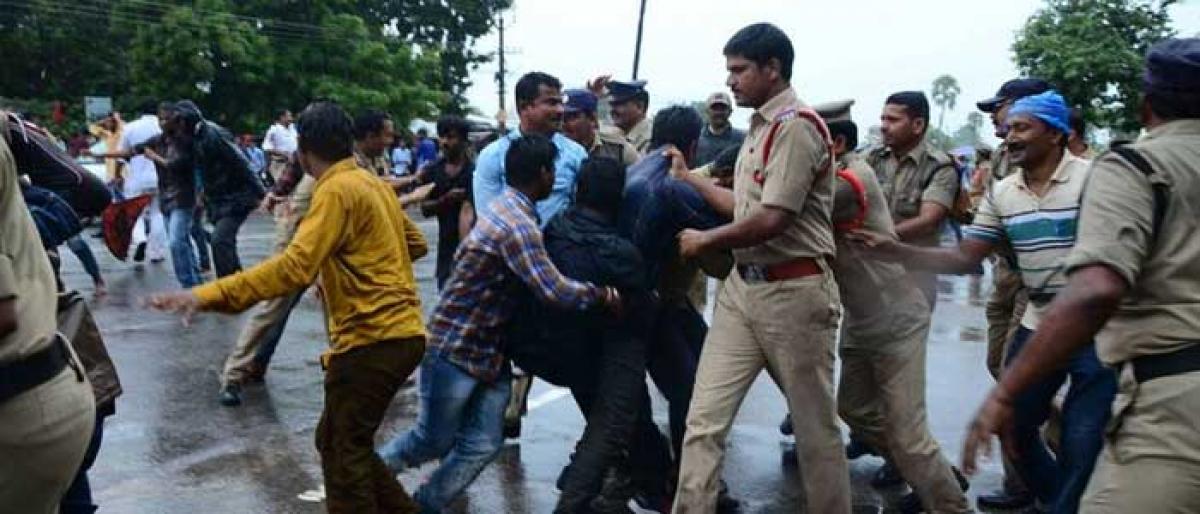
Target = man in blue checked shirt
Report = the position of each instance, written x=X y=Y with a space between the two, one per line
x=465 y=377
x=540 y=108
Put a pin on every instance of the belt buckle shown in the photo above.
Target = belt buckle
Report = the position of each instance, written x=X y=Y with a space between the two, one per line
x=753 y=273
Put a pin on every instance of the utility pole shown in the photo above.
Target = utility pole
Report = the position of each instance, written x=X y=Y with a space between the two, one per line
x=637 y=49
x=500 y=74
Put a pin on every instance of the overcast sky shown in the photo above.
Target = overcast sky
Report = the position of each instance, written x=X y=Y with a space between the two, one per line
x=860 y=49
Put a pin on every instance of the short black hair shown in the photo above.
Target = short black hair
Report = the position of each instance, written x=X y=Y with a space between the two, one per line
x=280 y=112
x=528 y=85
x=451 y=124
x=760 y=43
x=1174 y=105
x=1078 y=125
x=848 y=130
x=600 y=184
x=726 y=161
x=369 y=122
x=642 y=98
x=915 y=104
x=526 y=158
x=165 y=107
x=325 y=130
x=678 y=125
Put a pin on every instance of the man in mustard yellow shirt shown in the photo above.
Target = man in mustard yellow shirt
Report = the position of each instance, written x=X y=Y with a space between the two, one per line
x=360 y=242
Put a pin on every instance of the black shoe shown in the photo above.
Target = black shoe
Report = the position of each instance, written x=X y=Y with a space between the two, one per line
x=1003 y=500
x=231 y=395
x=785 y=426
x=139 y=254
x=727 y=504
x=887 y=476
x=615 y=493
x=788 y=455
x=857 y=448
x=911 y=503
x=512 y=430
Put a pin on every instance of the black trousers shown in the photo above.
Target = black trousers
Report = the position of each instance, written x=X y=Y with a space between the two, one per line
x=224 y=243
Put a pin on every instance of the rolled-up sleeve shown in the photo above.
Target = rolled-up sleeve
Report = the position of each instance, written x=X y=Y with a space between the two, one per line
x=1116 y=220
x=943 y=187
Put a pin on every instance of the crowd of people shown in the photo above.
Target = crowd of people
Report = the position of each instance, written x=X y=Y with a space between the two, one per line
x=577 y=247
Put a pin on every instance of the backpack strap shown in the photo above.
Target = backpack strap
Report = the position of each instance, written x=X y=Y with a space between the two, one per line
x=860 y=197
x=1161 y=191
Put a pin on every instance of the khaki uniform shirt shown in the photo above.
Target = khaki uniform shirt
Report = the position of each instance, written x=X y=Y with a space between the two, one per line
x=797 y=178
x=924 y=175
x=380 y=165
x=611 y=144
x=1161 y=311
x=639 y=136
x=871 y=295
x=25 y=274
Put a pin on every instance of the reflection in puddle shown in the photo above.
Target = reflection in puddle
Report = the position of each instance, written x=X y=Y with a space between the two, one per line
x=971 y=334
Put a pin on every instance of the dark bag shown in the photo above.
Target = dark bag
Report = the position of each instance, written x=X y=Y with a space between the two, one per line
x=76 y=324
x=56 y=221
x=50 y=167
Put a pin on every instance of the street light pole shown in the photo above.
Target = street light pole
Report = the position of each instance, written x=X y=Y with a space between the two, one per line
x=637 y=49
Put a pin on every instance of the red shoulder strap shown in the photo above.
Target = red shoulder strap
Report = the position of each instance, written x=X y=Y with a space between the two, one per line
x=801 y=112
x=860 y=197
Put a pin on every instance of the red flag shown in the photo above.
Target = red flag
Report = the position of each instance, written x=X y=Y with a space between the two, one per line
x=119 y=220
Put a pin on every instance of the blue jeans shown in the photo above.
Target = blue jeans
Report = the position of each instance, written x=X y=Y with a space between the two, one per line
x=183 y=258
x=81 y=250
x=461 y=422
x=1059 y=483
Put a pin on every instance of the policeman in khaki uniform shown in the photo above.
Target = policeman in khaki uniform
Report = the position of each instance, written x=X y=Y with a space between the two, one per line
x=46 y=404
x=881 y=394
x=630 y=102
x=1134 y=283
x=919 y=181
x=779 y=308
x=581 y=125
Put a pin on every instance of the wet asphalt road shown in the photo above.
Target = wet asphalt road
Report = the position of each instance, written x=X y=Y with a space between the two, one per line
x=172 y=449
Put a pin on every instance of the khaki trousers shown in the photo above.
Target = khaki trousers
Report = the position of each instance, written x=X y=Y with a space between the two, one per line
x=44 y=433
x=881 y=396
x=1151 y=457
x=787 y=328
x=1004 y=310
x=267 y=314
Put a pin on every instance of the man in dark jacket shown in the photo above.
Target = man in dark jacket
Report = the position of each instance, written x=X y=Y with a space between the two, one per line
x=601 y=359
x=231 y=190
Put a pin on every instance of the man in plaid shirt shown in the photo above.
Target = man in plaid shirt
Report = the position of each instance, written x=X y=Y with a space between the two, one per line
x=465 y=377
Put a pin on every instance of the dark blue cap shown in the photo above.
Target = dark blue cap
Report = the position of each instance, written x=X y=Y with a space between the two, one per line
x=1014 y=89
x=580 y=100
x=619 y=91
x=1173 y=65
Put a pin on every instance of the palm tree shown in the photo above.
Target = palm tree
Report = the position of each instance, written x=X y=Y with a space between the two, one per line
x=945 y=95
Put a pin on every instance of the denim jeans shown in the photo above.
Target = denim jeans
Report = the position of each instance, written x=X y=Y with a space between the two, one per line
x=183 y=259
x=202 y=239
x=1059 y=483
x=81 y=250
x=461 y=422
x=224 y=244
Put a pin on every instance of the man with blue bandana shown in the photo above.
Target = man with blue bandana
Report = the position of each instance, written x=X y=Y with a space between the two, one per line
x=1036 y=211
x=1133 y=284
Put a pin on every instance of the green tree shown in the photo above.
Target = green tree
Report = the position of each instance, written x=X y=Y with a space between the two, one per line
x=1093 y=51
x=945 y=95
x=969 y=134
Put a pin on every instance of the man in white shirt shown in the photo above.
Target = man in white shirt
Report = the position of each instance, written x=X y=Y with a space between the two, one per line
x=141 y=178
x=280 y=142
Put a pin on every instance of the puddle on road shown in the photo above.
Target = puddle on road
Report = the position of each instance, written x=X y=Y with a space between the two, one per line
x=972 y=334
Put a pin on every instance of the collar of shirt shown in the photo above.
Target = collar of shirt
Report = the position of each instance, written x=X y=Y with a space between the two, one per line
x=341 y=166
x=917 y=155
x=522 y=202
x=1062 y=174
x=776 y=106
x=1174 y=128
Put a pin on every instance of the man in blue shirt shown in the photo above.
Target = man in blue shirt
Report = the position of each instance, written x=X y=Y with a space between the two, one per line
x=540 y=108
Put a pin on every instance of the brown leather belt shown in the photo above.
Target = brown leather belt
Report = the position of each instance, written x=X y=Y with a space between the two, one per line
x=795 y=268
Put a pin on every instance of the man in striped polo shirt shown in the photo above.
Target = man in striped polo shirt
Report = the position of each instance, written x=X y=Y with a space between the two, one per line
x=1036 y=211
